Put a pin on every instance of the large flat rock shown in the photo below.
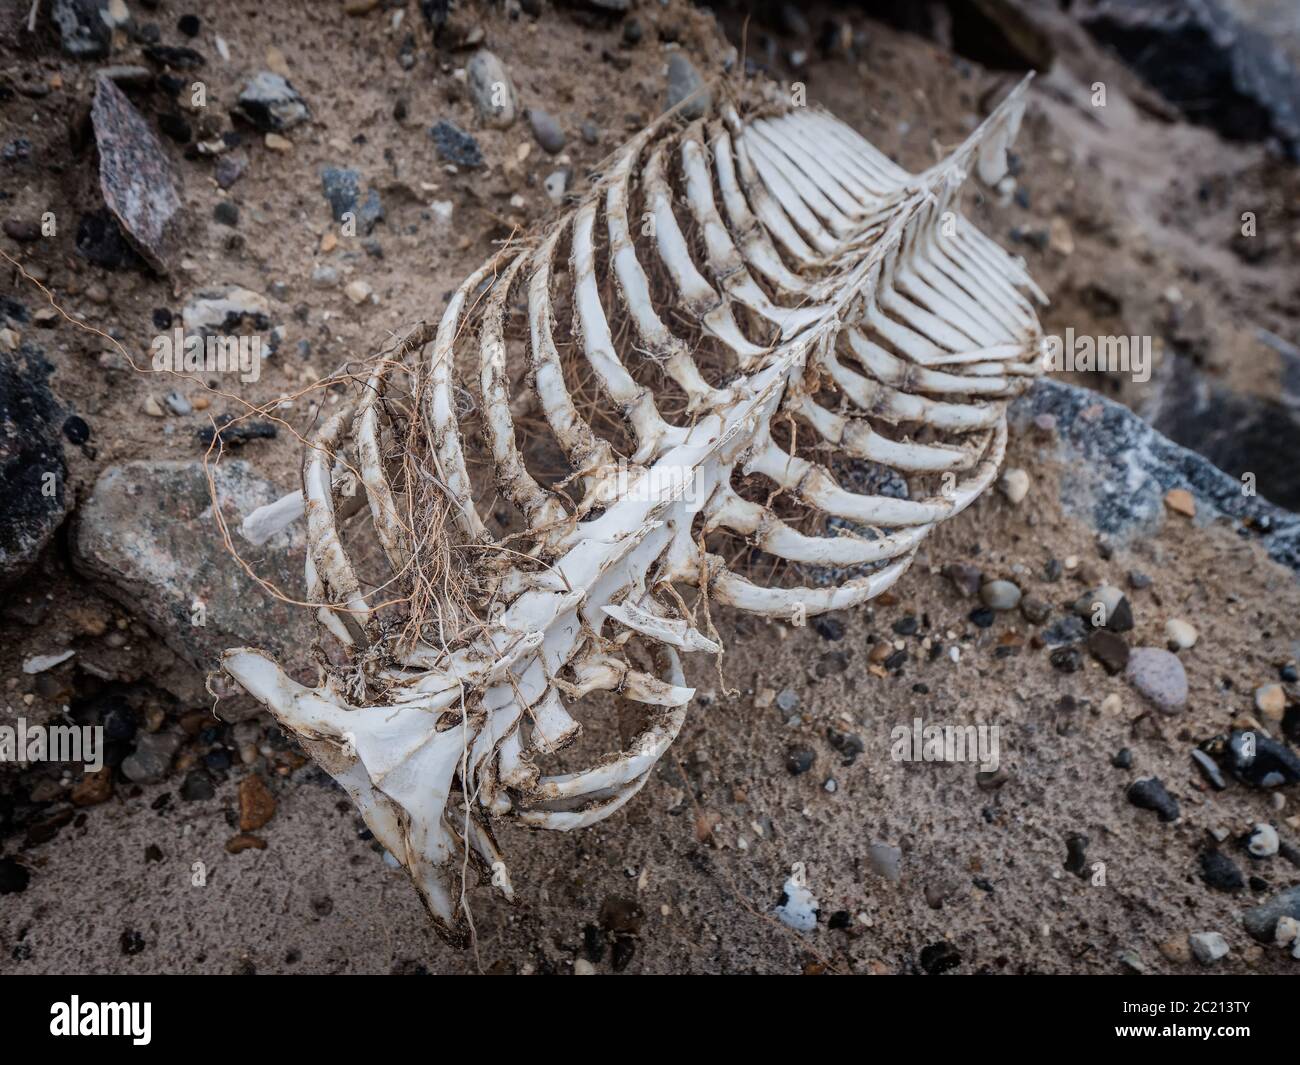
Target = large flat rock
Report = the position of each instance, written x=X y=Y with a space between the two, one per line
x=148 y=534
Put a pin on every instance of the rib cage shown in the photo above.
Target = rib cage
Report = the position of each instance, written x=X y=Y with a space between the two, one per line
x=776 y=277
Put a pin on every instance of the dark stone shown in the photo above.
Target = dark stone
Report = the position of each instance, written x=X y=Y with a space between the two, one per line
x=939 y=958
x=189 y=25
x=100 y=240
x=1121 y=618
x=75 y=429
x=1209 y=769
x=455 y=145
x=1066 y=659
x=175 y=127
x=14 y=878
x=1076 y=855
x=1070 y=629
x=1220 y=872
x=621 y=915
x=906 y=626
x=1261 y=921
x=1108 y=649
x=828 y=628
x=1260 y=761
x=197 y=786
x=1122 y=759
x=132 y=942
x=848 y=744
x=1150 y=794
x=175 y=57
x=982 y=617
x=342 y=188
x=226 y=213
x=84 y=33
x=798 y=760
x=22 y=230
x=31 y=459
x=270 y=103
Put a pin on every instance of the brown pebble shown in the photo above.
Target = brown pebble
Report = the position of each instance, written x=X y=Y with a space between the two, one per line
x=256 y=803
x=94 y=788
x=1181 y=501
x=243 y=842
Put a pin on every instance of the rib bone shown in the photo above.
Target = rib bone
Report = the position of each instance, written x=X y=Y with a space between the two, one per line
x=758 y=301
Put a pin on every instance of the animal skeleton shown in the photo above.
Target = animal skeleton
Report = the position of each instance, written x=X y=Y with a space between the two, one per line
x=822 y=273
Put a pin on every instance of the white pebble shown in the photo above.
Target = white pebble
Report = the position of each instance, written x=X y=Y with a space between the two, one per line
x=1014 y=484
x=1263 y=841
x=1180 y=634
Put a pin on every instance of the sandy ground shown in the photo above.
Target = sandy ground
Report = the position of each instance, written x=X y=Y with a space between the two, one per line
x=686 y=877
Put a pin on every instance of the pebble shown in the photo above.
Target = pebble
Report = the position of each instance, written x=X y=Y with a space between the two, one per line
x=1108 y=606
x=885 y=860
x=939 y=957
x=324 y=277
x=557 y=184
x=1208 y=947
x=197 y=786
x=492 y=91
x=787 y=701
x=256 y=803
x=1000 y=595
x=357 y=291
x=1181 y=635
x=1270 y=700
x=1138 y=580
x=981 y=617
x=1014 y=484
x=1209 y=769
x=828 y=628
x=270 y=103
x=1035 y=610
x=1066 y=659
x=547 y=130
x=1261 y=761
x=178 y=404
x=1076 y=855
x=1148 y=793
x=1261 y=922
x=798 y=760
x=798 y=906
x=276 y=143
x=1220 y=872
x=1122 y=759
x=153 y=408
x=226 y=213
x=1109 y=649
x=1181 y=501
x=1158 y=675
x=684 y=81
x=1263 y=842
x=964 y=577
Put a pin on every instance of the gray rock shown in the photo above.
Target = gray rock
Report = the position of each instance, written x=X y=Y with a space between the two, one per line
x=1000 y=595
x=787 y=702
x=152 y=757
x=1117 y=469
x=141 y=188
x=85 y=31
x=1208 y=947
x=342 y=189
x=1262 y=920
x=886 y=860
x=454 y=145
x=546 y=130
x=224 y=311
x=147 y=535
x=1159 y=675
x=684 y=81
x=270 y=103
x=31 y=459
x=492 y=90
x=965 y=577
